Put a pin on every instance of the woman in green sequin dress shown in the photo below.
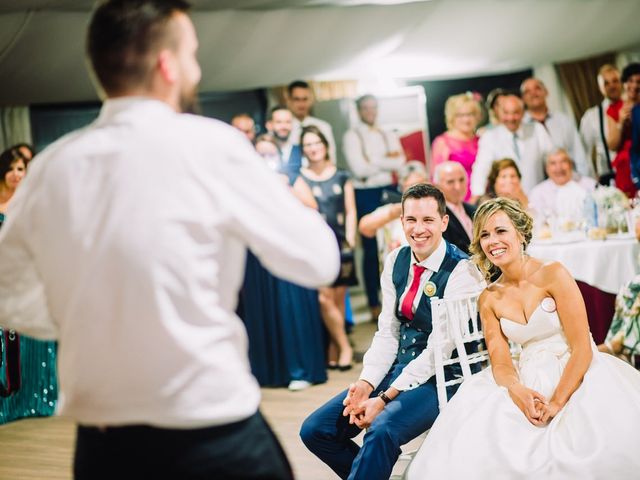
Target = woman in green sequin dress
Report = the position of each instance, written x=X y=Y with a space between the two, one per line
x=37 y=391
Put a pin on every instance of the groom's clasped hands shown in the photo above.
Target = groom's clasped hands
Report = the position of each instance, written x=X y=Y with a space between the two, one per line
x=361 y=409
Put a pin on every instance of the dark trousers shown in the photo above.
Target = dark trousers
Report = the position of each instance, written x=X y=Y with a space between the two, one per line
x=329 y=435
x=243 y=450
x=367 y=200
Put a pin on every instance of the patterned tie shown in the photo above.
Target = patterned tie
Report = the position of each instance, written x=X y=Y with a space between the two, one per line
x=407 y=303
x=516 y=149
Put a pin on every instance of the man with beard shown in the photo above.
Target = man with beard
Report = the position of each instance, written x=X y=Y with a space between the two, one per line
x=280 y=124
x=127 y=244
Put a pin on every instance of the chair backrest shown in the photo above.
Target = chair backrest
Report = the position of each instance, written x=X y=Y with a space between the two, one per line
x=456 y=318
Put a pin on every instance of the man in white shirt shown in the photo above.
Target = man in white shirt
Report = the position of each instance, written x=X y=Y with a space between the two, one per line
x=395 y=398
x=560 y=127
x=279 y=124
x=373 y=156
x=593 y=125
x=300 y=101
x=127 y=244
x=526 y=143
x=563 y=195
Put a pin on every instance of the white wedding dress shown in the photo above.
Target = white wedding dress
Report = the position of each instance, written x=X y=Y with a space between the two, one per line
x=481 y=434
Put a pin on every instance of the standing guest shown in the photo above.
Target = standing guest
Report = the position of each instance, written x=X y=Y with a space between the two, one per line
x=526 y=143
x=28 y=387
x=283 y=320
x=562 y=195
x=373 y=155
x=593 y=125
x=300 y=101
x=619 y=128
x=135 y=229
x=280 y=125
x=451 y=178
x=504 y=181
x=459 y=143
x=245 y=124
x=395 y=398
x=560 y=127
x=561 y=411
x=333 y=191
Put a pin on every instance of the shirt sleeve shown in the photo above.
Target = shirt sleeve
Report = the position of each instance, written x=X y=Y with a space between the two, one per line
x=352 y=146
x=24 y=305
x=482 y=165
x=384 y=347
x=291 y=240
x=582 y=163
x=464 y=280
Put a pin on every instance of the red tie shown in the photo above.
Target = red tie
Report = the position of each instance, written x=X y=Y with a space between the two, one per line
x=407 y=303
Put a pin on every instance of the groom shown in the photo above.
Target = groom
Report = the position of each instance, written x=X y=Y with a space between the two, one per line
x=395 y=397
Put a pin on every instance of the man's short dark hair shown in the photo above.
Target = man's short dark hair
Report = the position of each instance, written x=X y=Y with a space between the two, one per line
x=629 y=71
x=364 y=98
x=426 y=190
x=275 y=109
x=122 y=35
x=297 y=84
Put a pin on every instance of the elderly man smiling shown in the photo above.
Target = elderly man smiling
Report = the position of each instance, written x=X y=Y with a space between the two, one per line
x=564 y=193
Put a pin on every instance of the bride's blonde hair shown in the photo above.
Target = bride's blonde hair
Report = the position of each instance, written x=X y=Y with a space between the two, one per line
x=521 y=220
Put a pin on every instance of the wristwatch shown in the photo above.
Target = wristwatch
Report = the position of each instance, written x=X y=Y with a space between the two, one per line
x=384 y=397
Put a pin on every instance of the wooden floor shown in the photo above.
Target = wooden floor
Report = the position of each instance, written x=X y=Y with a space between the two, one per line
x=41 y=449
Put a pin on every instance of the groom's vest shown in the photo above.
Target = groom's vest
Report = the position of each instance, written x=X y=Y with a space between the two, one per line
x=414 y=333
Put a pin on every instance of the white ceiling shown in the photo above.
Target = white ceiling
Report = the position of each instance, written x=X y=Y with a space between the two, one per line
x=255 y=43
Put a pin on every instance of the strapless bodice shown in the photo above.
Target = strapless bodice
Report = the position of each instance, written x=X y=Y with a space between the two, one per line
x=543 y=324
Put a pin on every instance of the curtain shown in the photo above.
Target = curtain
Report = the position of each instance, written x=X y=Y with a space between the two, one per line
x=579 y=82
x=14 y=126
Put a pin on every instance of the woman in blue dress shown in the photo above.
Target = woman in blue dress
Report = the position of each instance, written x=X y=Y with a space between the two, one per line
x=283 y=321
x=28 y=385
x=334 y=193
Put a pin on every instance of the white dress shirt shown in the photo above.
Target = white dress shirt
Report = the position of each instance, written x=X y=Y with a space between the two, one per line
x=566 y=201
x=533 y=145
x=565 y=135
x=366 y=151
x=591 y=137
x=324 y=127
x=126 y=242
x=465 y=279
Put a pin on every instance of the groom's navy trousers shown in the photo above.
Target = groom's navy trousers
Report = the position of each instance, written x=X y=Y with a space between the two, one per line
x=329 y=435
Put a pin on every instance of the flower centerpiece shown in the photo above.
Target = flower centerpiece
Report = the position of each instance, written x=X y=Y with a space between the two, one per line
x=611 y=212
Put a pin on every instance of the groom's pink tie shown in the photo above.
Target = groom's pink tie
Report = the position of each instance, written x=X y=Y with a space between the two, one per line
x=407 y=303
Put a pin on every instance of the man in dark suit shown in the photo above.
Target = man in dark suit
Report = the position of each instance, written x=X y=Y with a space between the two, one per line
x=279 y=124
x=452 y=179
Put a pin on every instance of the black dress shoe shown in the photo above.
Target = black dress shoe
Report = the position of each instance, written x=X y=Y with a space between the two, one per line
x=332 y=366
x=344 y=368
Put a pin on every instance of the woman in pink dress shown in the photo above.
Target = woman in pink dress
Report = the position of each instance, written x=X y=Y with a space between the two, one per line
x=460 y=142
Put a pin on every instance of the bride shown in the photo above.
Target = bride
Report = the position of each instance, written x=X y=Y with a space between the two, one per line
x=564 y=410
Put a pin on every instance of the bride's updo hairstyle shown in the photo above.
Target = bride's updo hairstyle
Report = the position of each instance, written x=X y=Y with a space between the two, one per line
x=521 y=220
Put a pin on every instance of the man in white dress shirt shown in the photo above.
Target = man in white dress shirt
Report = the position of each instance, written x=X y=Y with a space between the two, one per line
x=563 y=195
x=127 y=244
x=560 y=127
x=593 y=125
x=300 y=101
x=373 y=156
x=526 y=143
x=395 y=398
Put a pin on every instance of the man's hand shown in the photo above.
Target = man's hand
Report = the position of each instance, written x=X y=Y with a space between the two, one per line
x=358 y=393
x=370 y=410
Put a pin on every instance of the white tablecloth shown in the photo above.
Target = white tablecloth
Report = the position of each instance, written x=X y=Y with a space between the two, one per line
x=604 y=264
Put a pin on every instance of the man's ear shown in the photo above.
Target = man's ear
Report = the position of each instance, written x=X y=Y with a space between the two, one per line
x=269 y=125
x=167 y=66
x=445 y=222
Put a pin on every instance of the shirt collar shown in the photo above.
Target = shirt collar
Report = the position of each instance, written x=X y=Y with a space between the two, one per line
x=114 y=107
x=433 y=261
